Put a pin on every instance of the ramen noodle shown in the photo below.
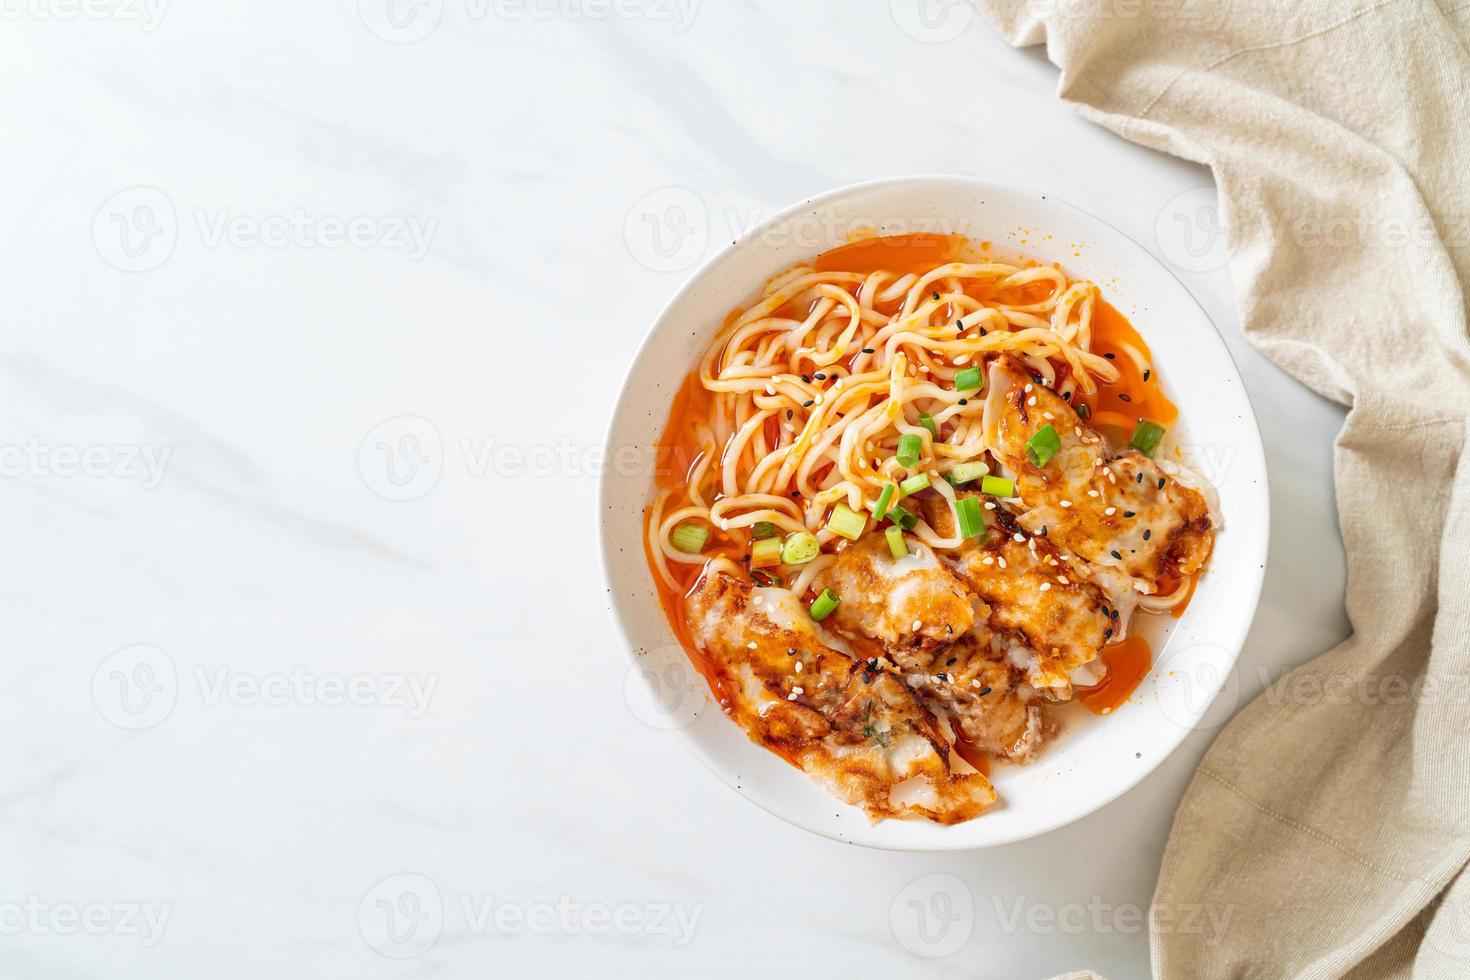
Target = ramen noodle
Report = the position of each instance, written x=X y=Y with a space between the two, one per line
x=910 y=498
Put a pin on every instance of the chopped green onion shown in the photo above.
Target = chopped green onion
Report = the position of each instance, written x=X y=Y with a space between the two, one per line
x=971 y=518
x=966 y=473
x=1146 y=437
x=902 y=517
x=885 y=497
x=763 y=530
x=765 y=553
x=690 y=537
x=1041 y=447
x=998 y=487
x=847 y=522
x=909 y=445
x=800 y=548
x=969 y=379
x=915 y=483
x=927 y=421
x=896 y=545
x=826 y=602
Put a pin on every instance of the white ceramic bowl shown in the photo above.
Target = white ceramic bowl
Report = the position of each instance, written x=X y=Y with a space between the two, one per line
x=1096 y=759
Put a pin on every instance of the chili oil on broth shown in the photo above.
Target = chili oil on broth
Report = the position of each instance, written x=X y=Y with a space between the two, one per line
x=688 y=453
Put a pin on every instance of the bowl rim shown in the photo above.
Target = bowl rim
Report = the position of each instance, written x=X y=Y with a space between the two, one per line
x=1250 y=426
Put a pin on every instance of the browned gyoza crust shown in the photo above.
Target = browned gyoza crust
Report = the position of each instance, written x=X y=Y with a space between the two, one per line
x=1116 y=512
x=858 y=729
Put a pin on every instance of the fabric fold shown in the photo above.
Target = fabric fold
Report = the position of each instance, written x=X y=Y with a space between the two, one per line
x=1330 y=816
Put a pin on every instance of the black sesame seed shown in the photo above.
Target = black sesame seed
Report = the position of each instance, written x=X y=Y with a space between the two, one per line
x=936 y=295
x=1066 y=396
x=1107 y=634
x=1116 y=555
x=1146 y=373
x=1161 y=483
x=789 y=414
x=1138 y=478
x=964 y=401
x=820 y=377
x=1127 y=513
x=867 y=677
x=1109 y=356
x=950 y=662
x=982 y=331
x=868 y=350
x=984 y=691
x=1115 y=614
x=808 y=403
x=791 y=651
x=1147 y=533
x=1124 y=397
x=1043 y=530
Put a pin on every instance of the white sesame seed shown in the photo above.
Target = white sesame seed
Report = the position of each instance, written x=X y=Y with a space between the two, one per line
x=917 y=625
x=1048 y=416
x=1028 y=389
x=791 y=696
x=962 y=359
x=799 y=665
x=1111 y=511
x=1066 y=503
x=987 y=560
x=1092 y=493
x=1001 y=562
x=990 y=505
x=1031 y=400
x=1018 y=537
x=751 y=644
x=797 y=690
x=1045 y=586
x=1062 y=578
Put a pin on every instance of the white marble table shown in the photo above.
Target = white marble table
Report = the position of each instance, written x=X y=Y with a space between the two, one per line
x=313 y=314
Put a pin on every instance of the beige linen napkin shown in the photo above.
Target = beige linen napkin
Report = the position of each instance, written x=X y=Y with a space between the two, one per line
x=1332 y=816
